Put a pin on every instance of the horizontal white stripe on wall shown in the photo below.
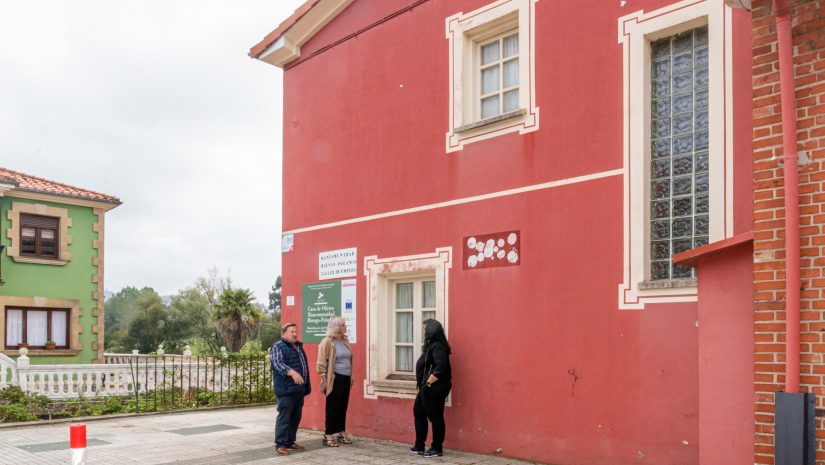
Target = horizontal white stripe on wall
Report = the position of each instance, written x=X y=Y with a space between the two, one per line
x=450 y=203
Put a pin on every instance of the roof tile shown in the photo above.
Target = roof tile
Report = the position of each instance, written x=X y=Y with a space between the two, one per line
x=27 y=182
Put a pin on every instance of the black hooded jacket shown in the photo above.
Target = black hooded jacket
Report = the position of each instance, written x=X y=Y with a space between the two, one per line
x=435 y=359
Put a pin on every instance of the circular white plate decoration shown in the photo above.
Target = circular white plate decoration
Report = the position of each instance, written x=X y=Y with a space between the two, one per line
x=472 y=261
x=479 y=246
x=488 y=252
x=511 y=239
x=490 y=243
x=495 y=249
x=501 y=242
x=500 y=253
x=480 y=257
x=471 y=242
x=512 y=257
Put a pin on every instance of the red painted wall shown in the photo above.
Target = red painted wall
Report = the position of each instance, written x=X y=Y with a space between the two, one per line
x=726 y=357
x=545 y=365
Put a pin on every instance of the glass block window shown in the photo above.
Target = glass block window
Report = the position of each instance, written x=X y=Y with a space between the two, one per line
x=414 y=302
x=499 y=76
x=679 y=150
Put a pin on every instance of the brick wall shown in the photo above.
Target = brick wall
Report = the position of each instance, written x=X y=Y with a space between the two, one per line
x=769 y=244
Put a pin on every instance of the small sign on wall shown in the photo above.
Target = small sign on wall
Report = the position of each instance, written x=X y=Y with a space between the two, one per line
x=492 y=250
x=290 y=300
x=342 y=263
x=287 y=243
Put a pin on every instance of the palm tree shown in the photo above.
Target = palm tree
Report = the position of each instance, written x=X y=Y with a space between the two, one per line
x=236 y=316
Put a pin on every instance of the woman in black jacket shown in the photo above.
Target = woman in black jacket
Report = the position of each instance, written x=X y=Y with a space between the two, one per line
x=434 y=377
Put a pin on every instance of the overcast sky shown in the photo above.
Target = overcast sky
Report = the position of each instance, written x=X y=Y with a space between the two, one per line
x=156 y=102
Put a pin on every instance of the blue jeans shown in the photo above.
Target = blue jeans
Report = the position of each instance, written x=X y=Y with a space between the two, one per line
x=289 y=416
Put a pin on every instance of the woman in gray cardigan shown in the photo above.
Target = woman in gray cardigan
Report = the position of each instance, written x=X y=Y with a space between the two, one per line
x=334 y=366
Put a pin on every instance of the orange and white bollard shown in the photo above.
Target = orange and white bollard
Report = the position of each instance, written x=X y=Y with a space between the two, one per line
x=77 y=443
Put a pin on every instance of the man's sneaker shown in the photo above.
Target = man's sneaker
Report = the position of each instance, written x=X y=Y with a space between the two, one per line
x=416 y=450
x=432 y=453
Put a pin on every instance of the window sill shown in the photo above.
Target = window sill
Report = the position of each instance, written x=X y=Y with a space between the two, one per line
x=39 y=261
x=397 y=377
x=395 y=384
x=668 y=284
x=493 y=120
x=39 y=352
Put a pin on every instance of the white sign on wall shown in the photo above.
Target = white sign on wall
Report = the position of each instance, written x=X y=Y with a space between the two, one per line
x=340 y=263
x=290 y=300
x=287 y=243
x=348 y=307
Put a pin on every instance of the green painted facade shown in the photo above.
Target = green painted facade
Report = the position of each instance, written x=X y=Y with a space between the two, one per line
x=72 y=281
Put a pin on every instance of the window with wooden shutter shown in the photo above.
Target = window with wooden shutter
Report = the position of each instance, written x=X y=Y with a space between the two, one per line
x=38 y=235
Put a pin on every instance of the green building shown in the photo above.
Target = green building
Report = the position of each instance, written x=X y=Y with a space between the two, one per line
x=51 y=269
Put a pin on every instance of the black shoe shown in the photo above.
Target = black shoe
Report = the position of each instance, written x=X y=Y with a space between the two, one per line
x=416 y=450
x=432 y=453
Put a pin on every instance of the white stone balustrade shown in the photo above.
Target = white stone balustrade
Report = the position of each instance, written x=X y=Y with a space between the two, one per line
x=121 y=374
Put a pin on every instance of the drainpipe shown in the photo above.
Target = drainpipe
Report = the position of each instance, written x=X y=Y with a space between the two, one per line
x=787 y=89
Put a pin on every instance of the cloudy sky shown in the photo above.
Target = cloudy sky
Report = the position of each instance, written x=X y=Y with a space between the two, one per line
x=156 y=102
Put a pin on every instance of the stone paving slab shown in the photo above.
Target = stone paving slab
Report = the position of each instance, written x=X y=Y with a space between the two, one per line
x=220 y=437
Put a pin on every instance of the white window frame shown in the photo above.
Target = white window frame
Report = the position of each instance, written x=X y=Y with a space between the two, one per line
x=635 y=33
x=417 y=310
x=382 y=274
x=465 y=33
x=499 y=63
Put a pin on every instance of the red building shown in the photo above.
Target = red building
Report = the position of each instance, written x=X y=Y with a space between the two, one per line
x=524 y=171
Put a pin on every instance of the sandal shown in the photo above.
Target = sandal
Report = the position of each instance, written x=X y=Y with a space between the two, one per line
x=329 y=441
x=344 y=439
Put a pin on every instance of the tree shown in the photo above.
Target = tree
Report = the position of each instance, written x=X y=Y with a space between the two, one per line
x=148 y=327
x=275 y=296
x=120 y=310
x=190 y=307
x=237 y=317
x=212 y=286
x=269 y=331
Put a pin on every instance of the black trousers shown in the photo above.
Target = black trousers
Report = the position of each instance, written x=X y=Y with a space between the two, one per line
x=337 y=402
x=429 y=405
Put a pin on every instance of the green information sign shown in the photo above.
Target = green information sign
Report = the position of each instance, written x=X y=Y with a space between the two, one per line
x=319 y=302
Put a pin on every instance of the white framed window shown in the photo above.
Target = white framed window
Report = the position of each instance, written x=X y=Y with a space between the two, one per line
x=498 y=72
x=402 y=292
x=678 y=149
x=679 y=201
x=413 y=303
x=492 y=77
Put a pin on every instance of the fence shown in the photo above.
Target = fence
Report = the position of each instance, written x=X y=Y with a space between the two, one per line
x=149 y=382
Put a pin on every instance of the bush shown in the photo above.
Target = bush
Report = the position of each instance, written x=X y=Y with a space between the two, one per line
x=16 y=405
x=10 y=413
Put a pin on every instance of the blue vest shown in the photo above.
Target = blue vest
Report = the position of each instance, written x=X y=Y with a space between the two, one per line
x=284 y=384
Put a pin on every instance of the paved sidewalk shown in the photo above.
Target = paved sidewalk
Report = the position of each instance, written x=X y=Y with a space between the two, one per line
x=218 y=437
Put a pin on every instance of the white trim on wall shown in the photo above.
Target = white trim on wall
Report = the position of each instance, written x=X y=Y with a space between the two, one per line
x=635 y=31
x=463 y=200
x=464 y=30
x=380 y=273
